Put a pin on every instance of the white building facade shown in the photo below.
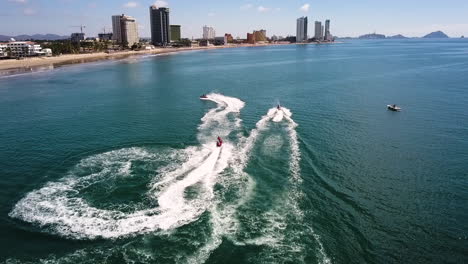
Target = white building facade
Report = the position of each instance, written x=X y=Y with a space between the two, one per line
x=208 y=32
x=125 y=30
x=21 y=49
x=130 y=30
x=3 y=52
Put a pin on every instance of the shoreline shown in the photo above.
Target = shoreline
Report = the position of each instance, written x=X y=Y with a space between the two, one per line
x=38 y=64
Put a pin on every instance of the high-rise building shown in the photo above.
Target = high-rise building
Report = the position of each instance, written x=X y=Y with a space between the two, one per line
x=129 y=31
x=175 y=32
x=160 y=27
x=301 y=29
x=260 y=35
x=208 y=32
x=116 y=29
x=125 y=30
x=328 y=35
x=318 y=30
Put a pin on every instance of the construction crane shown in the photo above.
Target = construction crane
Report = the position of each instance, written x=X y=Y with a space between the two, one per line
x=104 y=29
x=81 y=27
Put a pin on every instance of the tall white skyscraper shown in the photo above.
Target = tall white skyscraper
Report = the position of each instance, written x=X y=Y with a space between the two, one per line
x=208 y=32
x=301 y=29
x=318 y=30
x=129 y=30
x=125 y=30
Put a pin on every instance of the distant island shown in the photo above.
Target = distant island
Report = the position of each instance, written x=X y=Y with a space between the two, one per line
x=34 y=37
x=437 y=34
x=372 y=36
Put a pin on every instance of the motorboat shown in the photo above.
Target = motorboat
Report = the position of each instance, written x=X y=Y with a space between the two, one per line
x=219 y=143
x=393 y=107
x=203 y=97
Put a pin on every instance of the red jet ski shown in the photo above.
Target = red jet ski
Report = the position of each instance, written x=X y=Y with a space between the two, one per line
x=219 y=143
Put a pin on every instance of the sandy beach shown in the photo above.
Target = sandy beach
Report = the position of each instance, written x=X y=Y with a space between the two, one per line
x=12 y=66
x=34 y=64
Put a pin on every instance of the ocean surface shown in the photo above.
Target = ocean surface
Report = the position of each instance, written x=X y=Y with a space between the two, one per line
x=116 y=161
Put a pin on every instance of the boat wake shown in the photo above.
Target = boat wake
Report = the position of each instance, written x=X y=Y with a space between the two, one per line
x=60 y=208
x=185 y=184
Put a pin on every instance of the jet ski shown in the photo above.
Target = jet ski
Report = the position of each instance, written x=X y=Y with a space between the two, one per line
x=219 y=143
x=393 y=107
x=278 y=107
x=203 y=97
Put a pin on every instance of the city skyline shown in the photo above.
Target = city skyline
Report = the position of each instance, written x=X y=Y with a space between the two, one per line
x=278 y=17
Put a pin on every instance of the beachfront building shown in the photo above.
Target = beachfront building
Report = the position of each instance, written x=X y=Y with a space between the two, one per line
x=220 y=40
x=301 y=29
x=77 y=37
x=318 y=31
x=129 y=31
x=260 y=35
x=105 y=36
x=160 y=26
x=125 y=30
x=175 y=33
x=116 y=29
x=328 y=36
x=208 y=32
x=21 y=49
x=228 y=38
x=3 y=50
x=250 y=38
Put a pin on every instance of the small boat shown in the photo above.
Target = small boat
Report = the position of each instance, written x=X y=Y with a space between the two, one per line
x=203 y=96
x=219 y=143
x=278 y=107
x=393 y=107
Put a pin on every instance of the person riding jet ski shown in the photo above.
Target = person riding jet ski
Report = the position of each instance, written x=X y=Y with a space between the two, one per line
x=219 y=143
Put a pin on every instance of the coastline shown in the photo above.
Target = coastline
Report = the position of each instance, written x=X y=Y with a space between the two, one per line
x=11 y=66
x=37 y=64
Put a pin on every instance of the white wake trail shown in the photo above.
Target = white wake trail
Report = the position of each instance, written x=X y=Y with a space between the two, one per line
x=59 y=207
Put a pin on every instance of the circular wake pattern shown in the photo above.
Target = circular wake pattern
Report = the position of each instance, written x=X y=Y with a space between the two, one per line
x=73 y=206
x=134 y=191
x=180 y=185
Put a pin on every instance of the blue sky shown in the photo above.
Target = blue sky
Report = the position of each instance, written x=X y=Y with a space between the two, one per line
x=348 y=17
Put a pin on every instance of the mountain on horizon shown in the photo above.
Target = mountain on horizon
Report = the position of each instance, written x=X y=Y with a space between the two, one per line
x=436 y=34
x=34 y=37
x=399 y=36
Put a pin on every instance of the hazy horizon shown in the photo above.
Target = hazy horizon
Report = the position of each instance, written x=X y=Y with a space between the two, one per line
x=414 y=19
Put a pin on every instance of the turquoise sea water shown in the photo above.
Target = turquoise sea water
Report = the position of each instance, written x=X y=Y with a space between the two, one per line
x=115 y=162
